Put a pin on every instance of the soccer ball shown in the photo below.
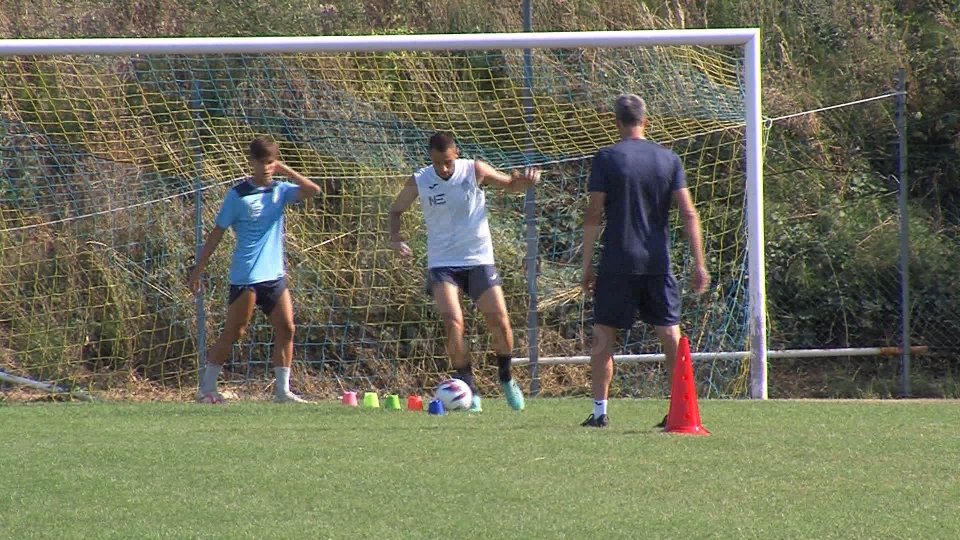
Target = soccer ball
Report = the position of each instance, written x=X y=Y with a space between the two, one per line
x=454 y=394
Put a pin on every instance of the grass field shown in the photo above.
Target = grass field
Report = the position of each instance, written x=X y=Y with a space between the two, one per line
x=772 y=469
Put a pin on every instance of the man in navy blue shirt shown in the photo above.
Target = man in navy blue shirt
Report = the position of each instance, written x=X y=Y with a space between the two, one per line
x=633 y=184
x=254 y=210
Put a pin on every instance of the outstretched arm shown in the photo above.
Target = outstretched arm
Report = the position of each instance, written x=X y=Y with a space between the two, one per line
x=699 y=278
x=400 y=205
x=307 y=187
x=209 y=246
x=516 y=181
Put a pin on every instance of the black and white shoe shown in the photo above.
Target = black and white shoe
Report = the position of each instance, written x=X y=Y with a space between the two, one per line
x=596 y=421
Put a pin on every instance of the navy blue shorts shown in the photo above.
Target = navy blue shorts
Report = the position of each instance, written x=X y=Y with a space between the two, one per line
x=619 y=299
x=268 y=293
x=473 y=280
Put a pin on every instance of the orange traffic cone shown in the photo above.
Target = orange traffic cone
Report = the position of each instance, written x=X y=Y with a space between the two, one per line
x=684 y=415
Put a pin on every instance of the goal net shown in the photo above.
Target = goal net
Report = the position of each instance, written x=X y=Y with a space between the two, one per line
x=116 y=155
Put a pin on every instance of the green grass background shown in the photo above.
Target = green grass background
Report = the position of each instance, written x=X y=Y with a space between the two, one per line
x=776 y=469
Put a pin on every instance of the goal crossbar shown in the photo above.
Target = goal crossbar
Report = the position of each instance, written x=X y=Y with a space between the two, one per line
x=238 y=45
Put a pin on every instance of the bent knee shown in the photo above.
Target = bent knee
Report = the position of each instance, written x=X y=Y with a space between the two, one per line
x=453 y=323
x=235 y=334
x=285 y=330
x=499 y=325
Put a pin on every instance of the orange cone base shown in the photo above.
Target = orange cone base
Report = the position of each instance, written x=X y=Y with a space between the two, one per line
x=688 y=430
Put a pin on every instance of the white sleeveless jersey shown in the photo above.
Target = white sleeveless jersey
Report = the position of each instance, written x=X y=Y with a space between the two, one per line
x=455 y=213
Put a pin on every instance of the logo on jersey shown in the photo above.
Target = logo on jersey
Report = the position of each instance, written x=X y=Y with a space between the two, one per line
x=437 y=200
x=433 y=186
x=255 y=208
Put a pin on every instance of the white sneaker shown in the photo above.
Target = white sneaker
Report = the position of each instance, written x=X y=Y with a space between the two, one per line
x=210 y=397
x=288 y=397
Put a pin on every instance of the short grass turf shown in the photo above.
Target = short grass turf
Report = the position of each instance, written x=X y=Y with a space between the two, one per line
x=775 y=469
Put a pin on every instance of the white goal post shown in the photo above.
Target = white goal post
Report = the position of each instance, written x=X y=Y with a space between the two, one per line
x=747 y=38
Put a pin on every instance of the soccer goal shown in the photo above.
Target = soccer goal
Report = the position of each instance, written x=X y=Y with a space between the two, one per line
x=116 y=154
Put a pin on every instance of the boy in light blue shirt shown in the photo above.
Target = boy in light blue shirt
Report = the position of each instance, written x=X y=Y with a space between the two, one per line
x=254 y=209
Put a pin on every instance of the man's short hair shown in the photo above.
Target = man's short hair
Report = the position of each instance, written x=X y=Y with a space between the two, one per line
x=262 y=148
x=441 y=141
x=630 y=109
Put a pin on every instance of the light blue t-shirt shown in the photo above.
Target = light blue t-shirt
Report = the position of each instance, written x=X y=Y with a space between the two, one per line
x=256 y=215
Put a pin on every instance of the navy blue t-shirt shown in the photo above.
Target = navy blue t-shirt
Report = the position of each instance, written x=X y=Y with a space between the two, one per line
x=639 y=178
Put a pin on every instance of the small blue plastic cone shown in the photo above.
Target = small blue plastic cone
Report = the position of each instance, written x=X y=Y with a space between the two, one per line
x=436 y=407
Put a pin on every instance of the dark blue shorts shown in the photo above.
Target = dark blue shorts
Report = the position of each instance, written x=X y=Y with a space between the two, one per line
x=268 y=293
x=619 y=299
x=473 y=280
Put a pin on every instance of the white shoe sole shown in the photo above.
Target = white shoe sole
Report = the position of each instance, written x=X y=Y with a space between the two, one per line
x=289 y=399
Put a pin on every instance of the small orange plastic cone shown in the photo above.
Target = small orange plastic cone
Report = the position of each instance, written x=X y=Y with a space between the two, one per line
x=684 y=415
x=414 y=403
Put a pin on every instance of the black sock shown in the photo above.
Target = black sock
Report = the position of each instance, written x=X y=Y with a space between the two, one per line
x=465 y=374
x=503 y=367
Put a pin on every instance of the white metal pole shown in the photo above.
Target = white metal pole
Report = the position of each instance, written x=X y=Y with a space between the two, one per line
x=755 y=250
x=265 y=45
x=707 y=356
x=39 y=385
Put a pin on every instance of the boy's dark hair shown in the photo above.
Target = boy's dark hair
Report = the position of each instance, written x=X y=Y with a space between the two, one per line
x=262 y=148
x=441 y=141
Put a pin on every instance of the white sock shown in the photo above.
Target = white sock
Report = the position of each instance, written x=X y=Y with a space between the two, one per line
x=208 y=382
x=283 y=380
x=599 y=408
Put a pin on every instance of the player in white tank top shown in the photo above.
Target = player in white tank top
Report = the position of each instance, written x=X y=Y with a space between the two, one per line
x=460 y=252
x=455 y=214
